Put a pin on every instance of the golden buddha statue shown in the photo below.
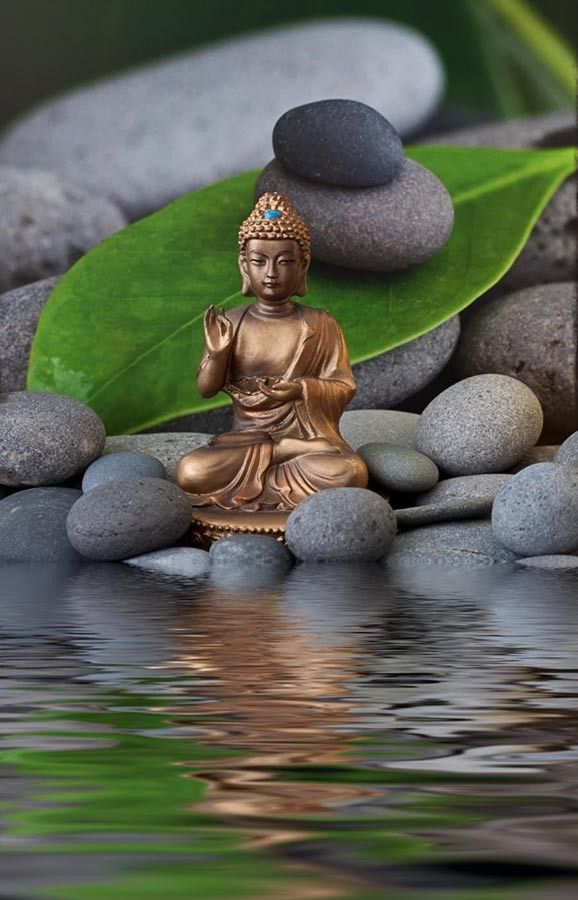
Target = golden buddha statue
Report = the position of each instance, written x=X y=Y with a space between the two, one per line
x=286 y=368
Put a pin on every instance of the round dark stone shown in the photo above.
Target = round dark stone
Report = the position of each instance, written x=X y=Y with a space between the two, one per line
x=122 y=519
x=340 y=142
x=33 y=526
x=122 y=466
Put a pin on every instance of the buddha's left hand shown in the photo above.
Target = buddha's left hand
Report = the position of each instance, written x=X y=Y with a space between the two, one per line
x=282 y=390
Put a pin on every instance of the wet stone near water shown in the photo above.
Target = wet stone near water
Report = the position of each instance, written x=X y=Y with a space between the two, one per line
x=475 y=536
x=186 y=562
x=33 y=526
x=553 y=562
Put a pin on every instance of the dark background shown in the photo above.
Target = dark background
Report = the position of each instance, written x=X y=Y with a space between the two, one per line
x=50 y=45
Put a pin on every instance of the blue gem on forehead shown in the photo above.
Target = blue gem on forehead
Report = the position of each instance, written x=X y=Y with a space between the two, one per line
x=272 y=214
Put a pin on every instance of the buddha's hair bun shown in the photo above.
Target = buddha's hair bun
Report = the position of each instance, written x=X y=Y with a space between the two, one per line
x=274 y=217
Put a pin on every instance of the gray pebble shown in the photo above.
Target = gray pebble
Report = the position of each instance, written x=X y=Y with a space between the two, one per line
x=453 y=559
x=399 y=468
x=539 y=453
x=168 y=448
x=122 y=519
x=19 y=313
x=186 y=562
x=46 y=225
x=536 y=513
x=567 y=454
x=250 y=550
x=389 y=426
x=341 y=142
x=112 y=136
x=481 y=424
x=465 y=487
x=530 y=335
x=448 y=511
x=33 y=526
x=46 y=438
x=553 y=562
x=392 y=377
x=550 y=252
x=380 y=229
x=341 y=524
x=473 y=536
x=122 y=466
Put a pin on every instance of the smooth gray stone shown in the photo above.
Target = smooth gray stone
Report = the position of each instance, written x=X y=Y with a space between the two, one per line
x=392 y=377
x=464 y=487
x=451 y=510
x=550 y=251
x=390 y=426
x=19 y=313
x=46 y=438
x=451 y=559
x=554 y=562
x=567 y=454
x=539 y=453
x=399 y=468
x=536 y=513
x=472 y=536
x=531 y=335
x=186 y=562
x=122 y=519
x=340 y=142
x=482 y=424
x=113 y=137
x=380 y=229
x=33 y=526
x=341 y=524
x=250 y=550
x=168 y=448
x=122 y=466
x=46 y=224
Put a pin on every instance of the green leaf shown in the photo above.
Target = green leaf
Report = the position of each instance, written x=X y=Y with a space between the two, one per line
x=123 y=329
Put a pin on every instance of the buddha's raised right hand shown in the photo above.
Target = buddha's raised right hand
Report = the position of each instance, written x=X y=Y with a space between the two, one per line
x=218 y=330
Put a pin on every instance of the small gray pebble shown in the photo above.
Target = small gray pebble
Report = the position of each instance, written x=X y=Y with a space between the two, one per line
x=19 y=314
x=536 y=513
x=46 y=224
x=473 y=536
x=122 y=466
x=482 y=424
x=46 y=438
x=122 y=519
x=340 y=142
x=250 y=550
x=448 y=511
x=389 y=426
x=530 y=335
x=33 y=526
x=186 y=562
x=380 y=229
x=392 y=377
x=399 y=468
x=341 y=524
x=464 y=487
x=567 y=454
x=167 y=447
x=454 y=559
x=554 y=562
x=539 y=453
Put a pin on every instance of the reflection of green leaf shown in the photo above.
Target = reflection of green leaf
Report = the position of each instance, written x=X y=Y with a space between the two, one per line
x=127 y=319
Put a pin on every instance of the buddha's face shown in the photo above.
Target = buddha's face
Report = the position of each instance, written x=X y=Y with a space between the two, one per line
x=273 y=270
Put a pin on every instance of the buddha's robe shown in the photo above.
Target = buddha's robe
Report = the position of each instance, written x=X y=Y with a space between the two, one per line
x=242 y=468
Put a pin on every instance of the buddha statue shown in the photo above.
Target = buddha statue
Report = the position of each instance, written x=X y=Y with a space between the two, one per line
x=286 y=368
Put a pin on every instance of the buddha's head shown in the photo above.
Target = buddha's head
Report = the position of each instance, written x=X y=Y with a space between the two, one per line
x=274 y=250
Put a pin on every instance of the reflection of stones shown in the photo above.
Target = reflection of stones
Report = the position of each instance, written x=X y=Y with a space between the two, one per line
x=121 y=466
x=473 y=536
x=47 y=224
x=46 y=438
x=353 y=227
x=482 y=424
x=417 y=559
x=550 y=252
x=392 y=377
x=19 y=313
x=248 y=562
x=113 y=136
x=166 y=447
x=399 y=468
x=536 y=512
x=465 y=487
x=33 y=526
x=31 y=599
x=530 y=335
x=363 y=426
x=187 y=562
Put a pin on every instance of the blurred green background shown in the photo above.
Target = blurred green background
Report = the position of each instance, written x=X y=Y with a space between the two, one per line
x=500 y=60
